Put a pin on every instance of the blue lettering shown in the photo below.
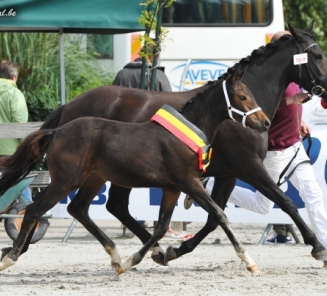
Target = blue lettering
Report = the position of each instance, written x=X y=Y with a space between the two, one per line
x=70 y=196
x=189 y=76
x=195 y=75
x=213 y=76
x=204 y=75
x=99 y=199
x=156 y=196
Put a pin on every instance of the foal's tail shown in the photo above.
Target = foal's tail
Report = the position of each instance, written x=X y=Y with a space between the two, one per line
x=17 y=166
x=52 y=120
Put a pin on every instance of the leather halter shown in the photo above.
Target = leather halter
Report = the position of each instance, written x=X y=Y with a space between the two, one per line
x=316 y=90
x=231 y=109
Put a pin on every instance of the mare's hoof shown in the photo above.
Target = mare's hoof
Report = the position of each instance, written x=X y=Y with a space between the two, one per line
x=159 y=259
x=321 y=255
x=170 y=255
x=158 y=255
x=253 y=269
x=188 y=202
x=5 y=252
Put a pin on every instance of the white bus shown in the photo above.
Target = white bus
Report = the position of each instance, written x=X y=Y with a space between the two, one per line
x=213 y=34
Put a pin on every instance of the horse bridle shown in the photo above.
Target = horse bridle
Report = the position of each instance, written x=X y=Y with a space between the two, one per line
x=317 y=90
x=231 y=109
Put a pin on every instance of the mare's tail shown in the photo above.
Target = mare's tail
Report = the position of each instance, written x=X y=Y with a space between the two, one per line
x=23 y=161
x=52 y=120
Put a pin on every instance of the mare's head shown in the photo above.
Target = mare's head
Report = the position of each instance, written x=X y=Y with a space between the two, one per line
x=313 y=74
x=243 y=106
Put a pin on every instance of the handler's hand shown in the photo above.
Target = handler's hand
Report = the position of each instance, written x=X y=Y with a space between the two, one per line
x=305 y=129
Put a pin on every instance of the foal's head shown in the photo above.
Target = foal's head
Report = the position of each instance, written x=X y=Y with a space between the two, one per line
x=243 y=100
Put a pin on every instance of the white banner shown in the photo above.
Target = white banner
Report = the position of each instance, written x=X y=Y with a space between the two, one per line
x=144 y=203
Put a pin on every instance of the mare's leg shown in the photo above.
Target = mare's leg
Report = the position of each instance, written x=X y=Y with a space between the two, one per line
x=47 y=200
x=117 y=205
x=167 y=206
x=198 y=193
x=259 y=178
x=220 y=194
x=79 y=208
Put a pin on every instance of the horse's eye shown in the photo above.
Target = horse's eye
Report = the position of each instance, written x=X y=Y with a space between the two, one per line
x=243 y=98
x=318 y=56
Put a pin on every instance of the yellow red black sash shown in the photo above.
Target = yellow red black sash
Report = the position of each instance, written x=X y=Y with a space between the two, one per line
x=186 y=131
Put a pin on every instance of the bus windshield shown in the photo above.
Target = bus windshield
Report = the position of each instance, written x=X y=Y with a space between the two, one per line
x=218 y=13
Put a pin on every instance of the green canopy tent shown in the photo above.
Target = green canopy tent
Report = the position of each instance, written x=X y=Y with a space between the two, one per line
x=70 y=16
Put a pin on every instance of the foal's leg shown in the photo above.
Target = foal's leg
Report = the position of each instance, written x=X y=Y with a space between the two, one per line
x=198 y=193
x=220 y=194
x=79 y=208
x=47 y=200
x=167 y=206
x=117 y=205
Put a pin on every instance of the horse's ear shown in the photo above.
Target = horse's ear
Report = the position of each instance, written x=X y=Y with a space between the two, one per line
x=292 y=30
x=297 y=34
x=310 y=27
x=238 y=75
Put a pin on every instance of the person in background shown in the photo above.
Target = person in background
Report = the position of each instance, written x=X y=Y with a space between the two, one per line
x=13 y=108
x=130 y=76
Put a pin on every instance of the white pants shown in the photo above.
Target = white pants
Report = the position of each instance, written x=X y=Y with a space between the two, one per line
x=303 y=179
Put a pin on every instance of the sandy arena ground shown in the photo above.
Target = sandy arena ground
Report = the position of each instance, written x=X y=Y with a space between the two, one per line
x=81 y=266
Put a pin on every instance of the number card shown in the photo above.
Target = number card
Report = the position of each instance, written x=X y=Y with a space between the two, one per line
x=301 y=58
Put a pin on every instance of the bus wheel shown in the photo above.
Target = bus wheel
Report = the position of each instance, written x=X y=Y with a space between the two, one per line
x=13 y=225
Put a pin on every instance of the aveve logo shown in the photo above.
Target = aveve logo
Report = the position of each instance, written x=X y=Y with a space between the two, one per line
x=198 y=73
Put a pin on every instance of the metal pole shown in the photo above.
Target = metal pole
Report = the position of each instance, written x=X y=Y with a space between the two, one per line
x=62 y=68
x=187 y=66
x=69 y=231
x=157 y=47
x=144 y=63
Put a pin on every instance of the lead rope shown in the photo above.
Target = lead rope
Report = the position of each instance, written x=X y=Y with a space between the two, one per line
x=308 y=136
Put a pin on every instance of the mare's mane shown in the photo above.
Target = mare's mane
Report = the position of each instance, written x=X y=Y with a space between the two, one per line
x=242 y=65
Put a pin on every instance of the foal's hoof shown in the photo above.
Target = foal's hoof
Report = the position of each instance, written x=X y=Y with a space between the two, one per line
x=253 y=269
x=170 y=255
x=115 y=265
x=119 y=270
x=321 y=255
x=158 y=255
x=6 y=262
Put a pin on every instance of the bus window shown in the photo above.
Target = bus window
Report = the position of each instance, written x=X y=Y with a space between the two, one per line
x=218 y=13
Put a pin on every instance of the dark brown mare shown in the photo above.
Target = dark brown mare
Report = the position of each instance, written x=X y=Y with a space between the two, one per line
x=88 y=151
x=238 y=152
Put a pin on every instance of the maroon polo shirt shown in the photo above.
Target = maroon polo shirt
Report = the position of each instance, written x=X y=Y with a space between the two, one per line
x=284 y=130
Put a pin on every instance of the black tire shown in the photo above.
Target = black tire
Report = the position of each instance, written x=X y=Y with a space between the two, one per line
x=12 y=225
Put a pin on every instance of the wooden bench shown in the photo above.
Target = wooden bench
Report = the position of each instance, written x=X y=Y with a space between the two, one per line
x=21 y=130
x=18 y=130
